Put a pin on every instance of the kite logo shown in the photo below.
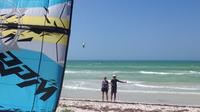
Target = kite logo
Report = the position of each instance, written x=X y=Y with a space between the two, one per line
x=11 y=65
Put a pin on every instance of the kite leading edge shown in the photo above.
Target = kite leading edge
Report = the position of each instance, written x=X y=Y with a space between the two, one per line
x=34 y=37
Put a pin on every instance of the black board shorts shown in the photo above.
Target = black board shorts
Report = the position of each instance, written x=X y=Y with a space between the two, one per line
x=104 y=89
x=113 y=90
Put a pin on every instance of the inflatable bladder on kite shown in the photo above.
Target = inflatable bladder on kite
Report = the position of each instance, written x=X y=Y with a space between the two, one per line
x=34 y=38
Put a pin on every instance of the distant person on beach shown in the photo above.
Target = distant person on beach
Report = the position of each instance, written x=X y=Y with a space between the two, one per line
x=104 y=88
x=114 y=87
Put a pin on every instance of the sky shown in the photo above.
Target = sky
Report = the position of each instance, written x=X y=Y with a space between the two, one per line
x=135 y=30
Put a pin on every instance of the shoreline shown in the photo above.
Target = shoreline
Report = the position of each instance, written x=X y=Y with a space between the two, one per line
x=145 y=98
x=82 y=105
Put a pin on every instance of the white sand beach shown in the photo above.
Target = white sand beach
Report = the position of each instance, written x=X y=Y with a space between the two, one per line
x=71 y=105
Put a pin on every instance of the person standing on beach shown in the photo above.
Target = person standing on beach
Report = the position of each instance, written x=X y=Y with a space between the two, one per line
x=104 y=88
x=114 y=87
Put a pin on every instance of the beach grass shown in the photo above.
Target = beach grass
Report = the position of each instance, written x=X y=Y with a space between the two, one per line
x=67 y=110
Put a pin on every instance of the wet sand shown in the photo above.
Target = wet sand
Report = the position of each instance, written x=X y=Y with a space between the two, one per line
x=175 y=99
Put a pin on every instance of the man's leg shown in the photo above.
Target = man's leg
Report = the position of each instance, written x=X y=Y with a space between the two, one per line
x=115 y=96
x=111 y=96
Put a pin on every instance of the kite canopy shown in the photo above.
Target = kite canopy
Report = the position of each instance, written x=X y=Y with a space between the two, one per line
x=34 y=38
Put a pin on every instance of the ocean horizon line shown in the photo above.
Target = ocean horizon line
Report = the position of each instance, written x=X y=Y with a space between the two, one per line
x=133 y=60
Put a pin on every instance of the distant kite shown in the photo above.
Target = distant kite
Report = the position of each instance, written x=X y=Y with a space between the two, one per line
x=83 y=45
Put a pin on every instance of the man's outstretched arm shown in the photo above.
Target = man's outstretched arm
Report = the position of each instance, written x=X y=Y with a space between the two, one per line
x=122 y=81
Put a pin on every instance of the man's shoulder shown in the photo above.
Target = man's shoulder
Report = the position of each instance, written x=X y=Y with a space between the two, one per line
x=114 y=80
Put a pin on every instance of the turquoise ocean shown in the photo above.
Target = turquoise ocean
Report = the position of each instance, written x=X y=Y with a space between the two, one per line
x=143 y=77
